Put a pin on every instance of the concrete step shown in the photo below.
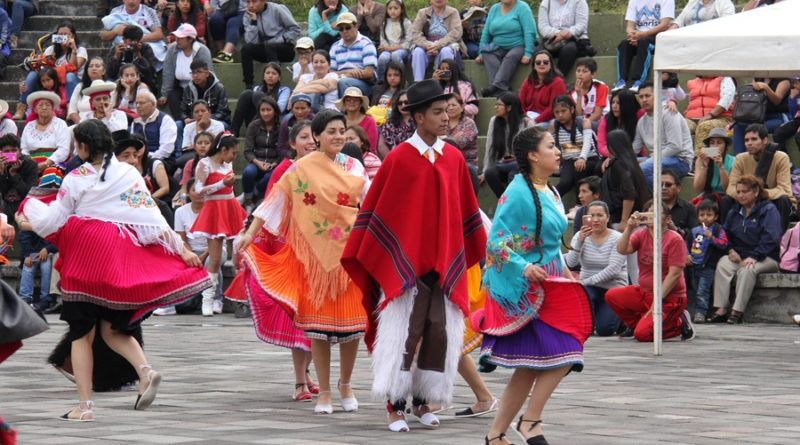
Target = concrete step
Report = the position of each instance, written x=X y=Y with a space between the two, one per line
x=87 y=38
x=18 y=55
x=85 y=22
x=67 y=8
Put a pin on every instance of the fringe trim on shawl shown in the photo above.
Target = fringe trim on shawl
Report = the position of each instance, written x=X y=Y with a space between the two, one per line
x=321 y=283
x=143 y=235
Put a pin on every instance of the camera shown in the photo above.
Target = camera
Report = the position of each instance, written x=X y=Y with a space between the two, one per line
x=59 y=39
x=10 y=158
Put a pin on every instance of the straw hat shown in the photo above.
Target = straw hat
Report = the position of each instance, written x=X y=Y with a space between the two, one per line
x=3 y=108
x=47 y=95
x=353 y=92
x=99 y=86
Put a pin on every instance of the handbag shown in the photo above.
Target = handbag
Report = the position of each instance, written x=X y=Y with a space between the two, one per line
x=751 y=105
x=229 y=8
x=17 y=320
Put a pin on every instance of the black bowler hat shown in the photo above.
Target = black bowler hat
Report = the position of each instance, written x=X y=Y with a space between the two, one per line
x=123 y=139
x=423 y=93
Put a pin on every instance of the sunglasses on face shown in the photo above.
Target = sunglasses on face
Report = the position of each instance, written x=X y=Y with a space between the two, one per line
x=344 y=28
x=666 y=185
x=402 y=102
x=542 y=62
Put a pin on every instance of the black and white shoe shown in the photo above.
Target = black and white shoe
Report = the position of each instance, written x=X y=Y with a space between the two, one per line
x=687 y=328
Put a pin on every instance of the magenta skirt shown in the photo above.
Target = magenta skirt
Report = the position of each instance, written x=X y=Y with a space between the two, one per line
x=273 y=324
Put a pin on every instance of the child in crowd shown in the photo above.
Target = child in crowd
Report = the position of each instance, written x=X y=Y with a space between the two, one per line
x=128 y=86
x=202 y=144
x=473 y=20
x=36 y=252
x=395 y=36
x=358 y=137
x=588 y=191
x=47 y=80
x=590 y=94
x=578 y=145
x=671 y=91
x=386 y=92
x=707 y=244
x=222 y=217
x=303 y=49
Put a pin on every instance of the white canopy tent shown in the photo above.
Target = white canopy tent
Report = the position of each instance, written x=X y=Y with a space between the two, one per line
x=764 y=42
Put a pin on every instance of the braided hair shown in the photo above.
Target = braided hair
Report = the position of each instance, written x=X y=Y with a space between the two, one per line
x=524 y=142
x=567 y=102
x=97 y=137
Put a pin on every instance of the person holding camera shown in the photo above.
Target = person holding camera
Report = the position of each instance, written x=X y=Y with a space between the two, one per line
x=132 y=50
x=270 y=33
x=18 y=173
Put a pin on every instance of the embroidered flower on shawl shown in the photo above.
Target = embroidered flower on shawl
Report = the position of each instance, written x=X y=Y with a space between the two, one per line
x=136 y=198
x=81 y=171
x=343 y=199
x=499 y=252
x=310 y=199
x=336 y=233
x=502 y=200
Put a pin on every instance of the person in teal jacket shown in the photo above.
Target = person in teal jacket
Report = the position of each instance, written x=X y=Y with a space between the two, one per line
x=508 y=39
x=321 y=18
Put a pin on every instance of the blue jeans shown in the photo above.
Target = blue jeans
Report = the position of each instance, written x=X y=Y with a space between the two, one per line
x=473 y=49
x=20 y=10
x=771 y=121
x=399 y=55
x=606 y=321
x=254 y=179
x=420 y=60
x=26 y=282
x=346 y=82
x=229 y=28
x=703 y=288
x=667 y=163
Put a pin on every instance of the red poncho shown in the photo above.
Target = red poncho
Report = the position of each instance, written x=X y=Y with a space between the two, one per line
x=417 y=217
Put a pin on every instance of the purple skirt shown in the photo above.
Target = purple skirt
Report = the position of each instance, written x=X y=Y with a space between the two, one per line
x=535 y=346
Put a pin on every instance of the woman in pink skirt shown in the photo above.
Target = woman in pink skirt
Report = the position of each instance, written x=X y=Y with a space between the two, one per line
x=118 y=261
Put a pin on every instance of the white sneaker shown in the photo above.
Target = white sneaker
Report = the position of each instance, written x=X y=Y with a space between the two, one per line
x=166 y=310
x=216 y=306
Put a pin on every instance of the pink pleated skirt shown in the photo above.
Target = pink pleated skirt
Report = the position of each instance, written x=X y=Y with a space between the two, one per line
x=272 y=323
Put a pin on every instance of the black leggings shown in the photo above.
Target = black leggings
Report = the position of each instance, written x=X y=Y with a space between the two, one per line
x=570 y=176
x=499 y=175
x=324 y=41
x=246 y=109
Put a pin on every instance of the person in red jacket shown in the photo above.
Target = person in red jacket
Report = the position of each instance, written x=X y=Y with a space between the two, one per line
x=543 y=84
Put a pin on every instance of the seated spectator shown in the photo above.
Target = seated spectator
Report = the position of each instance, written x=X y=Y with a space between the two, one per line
x=777 y=112
x=393 y=82
x=300 y=109
x=698 y=11
x=790 y=129
x=370 y=15
x=540 y=88
x=177 y=73
x=682 y=212
x=5 y=48
x=453 y=80
x=7 y=124
x=224 y=29
x=710 y=106
x=303 y=49
x=202 y=144
x=261 y=151
x=499 y=162
x=395 y=36
x=133 y=12
x=206 y=86
x=463 y=131
x=270 y=86
x=707 y=243
x=127 y=148
x=47 y=79
x=632 y=304
x=644 y=19
x=321 y=85
x=588 y=192
x=398 y=127
x=711 y=173
x=46 y=138
x=128 y=87
x=357 y=136
x=94 y=69
x=677 y=151
x=156 y=127
x=270 y=33
x=770 y=166
x=203 y=122
x=187 y=12
x=754 y=231
x=69 y=56
x=353 y=57
x=132 y=50
x=473 y=20
x=21 y=10
x=594 y=250
x=506 y=42
x=102 y=109
x=321 y=19
x=590 y=94
x=575 y=139
x=18 y=173
x=161 y=185
x=436 y=34
x=624 y=114
x=623 y=188
x=354 y=106
x=562 y=24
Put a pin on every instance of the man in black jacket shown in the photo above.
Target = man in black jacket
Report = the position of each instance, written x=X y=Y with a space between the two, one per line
x=132 y=50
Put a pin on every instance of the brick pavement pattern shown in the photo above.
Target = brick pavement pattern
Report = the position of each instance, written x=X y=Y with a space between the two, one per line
x=731 y=385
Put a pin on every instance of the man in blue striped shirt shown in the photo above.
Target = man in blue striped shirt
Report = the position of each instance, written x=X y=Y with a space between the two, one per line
x=353 y=57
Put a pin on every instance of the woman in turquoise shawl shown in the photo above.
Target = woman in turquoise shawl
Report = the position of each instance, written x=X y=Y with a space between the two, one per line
x=537 y=316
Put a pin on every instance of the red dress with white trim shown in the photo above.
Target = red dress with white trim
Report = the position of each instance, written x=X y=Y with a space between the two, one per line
x=222 y=216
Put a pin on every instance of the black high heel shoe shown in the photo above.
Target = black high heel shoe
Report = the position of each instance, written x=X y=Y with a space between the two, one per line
x=489 y=441
x=535 y=440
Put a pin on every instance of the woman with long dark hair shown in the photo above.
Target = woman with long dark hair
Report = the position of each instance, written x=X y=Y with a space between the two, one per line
x=625 y=113
x=542 y=85
x=261 y=151
x=187 y=11
x=454 y=80
x=574 y=137
x=270 y=86
x=535 y=321
x=399 y=127
x=94 y=69
x=321 y=18
x=499 y=163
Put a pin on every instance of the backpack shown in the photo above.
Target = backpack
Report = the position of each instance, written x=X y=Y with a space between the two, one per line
x=790 y=250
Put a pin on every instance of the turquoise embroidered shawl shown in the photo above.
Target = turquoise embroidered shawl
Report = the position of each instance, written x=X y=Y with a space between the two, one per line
x=511 y=244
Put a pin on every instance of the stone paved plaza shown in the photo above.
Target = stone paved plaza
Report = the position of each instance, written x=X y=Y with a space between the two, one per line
x=731 y=385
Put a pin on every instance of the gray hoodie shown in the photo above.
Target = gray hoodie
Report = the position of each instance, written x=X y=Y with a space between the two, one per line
x=274 y=24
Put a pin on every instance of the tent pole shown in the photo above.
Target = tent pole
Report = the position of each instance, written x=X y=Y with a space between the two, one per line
x=657 y=235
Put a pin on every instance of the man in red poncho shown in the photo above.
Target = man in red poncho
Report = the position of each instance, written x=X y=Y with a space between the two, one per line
x=418 y=232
